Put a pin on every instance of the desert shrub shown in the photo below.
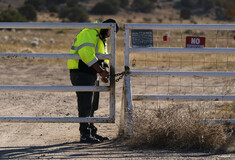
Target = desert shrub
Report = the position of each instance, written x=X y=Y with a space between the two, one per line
x=185 y=13
x=144 y=6
x=44 y=4
x=188 y=3
x=74 y=14
x=72 y=3
x=228 y=7
x=11 y=15
x=57 y=1
x=227 y=3
x=62 y=31
x=128 y=21
x=124 y=3
x=171 y=129
x=53 y=8
x=188 y=32
x=106 y=7
x=36 y=3
x=29 y=12
x=208 y=4
x=230 y=13
x=147 y=20
x=159 y=20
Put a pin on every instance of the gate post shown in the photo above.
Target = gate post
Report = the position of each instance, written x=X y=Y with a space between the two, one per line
x=112 y=72
x=126 y=125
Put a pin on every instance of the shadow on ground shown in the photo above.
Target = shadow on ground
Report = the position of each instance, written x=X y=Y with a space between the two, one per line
x=106 y=150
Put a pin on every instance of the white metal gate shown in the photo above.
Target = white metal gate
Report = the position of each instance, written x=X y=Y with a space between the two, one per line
x=128 y=97
x=111 y=88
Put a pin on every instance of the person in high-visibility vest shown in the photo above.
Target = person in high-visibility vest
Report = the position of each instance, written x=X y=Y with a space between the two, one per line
x=83 y=72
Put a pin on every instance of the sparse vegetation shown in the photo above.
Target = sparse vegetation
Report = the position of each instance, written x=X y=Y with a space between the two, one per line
x=171 y=129
x=230 y=13
x=208 y=4
x=185 y=13
x=124 y=3
x=74 y=14
x=36 y=3
x=147 y=20
x=29 y=12
x=106 y=7
x=222 y=9
x=213 y=9
x=144 y=6
x=62 y=31
x=11 y=15
x=128 y=21
x=43 y=5
x=188 y=3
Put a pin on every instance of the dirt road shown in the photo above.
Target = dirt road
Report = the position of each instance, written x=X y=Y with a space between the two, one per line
x=61 y=141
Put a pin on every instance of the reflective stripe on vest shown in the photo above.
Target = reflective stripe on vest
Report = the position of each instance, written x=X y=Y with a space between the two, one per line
x=87 y=44
x=82 y=45
x=96 y=48
x=74 y=63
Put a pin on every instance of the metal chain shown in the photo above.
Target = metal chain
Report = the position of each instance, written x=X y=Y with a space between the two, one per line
x=121 y=75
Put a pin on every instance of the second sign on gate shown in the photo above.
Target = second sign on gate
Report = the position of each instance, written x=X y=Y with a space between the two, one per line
x=195 y=42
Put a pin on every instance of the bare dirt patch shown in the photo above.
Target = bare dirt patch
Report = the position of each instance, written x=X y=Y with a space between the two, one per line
x=60 y=141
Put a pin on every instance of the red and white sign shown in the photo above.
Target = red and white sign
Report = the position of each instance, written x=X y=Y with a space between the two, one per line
x=195 y=42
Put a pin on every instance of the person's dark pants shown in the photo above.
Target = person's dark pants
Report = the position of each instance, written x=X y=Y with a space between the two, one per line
x=84 y=99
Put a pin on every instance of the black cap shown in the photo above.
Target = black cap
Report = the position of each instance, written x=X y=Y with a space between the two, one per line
x=112 y=21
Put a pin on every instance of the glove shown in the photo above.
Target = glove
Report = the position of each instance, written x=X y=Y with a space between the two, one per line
x=104 y=76
x=105 y=65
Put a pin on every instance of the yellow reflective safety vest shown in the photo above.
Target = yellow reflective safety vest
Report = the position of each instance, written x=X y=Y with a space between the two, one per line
x=87 y=43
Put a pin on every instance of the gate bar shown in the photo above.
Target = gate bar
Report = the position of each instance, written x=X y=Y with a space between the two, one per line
x=56 y=88
x=22 y=25
x=50 y=55
x=184 y=97
x=230 y=121
x=182 y=50
x=181 y=26
x=55 y=119
x=171 y=73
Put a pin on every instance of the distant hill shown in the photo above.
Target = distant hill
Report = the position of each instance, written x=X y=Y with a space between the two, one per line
x=129 y=11
x=14 y=3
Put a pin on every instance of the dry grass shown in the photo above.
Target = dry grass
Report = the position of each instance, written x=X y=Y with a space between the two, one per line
x=170 y=129
x=64 y=39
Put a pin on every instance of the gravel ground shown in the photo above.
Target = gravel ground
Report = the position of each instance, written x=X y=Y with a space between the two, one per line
x=61 y=141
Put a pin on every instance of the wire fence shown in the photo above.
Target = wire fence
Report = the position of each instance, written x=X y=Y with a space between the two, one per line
x=213 y=72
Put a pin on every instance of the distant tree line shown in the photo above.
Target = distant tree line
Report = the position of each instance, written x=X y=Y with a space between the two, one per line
x=72 y=11
x=113 y=6
x=23 y=14
x=225 y=9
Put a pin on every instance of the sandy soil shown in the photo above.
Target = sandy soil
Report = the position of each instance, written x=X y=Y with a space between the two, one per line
x=61 y=141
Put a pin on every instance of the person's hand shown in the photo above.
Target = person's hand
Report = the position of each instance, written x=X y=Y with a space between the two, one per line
x=104 y=76
x=105 y=65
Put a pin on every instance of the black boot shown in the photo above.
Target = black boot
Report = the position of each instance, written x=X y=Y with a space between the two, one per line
x=101 y=138
x=95 y=135
x=88 y=139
